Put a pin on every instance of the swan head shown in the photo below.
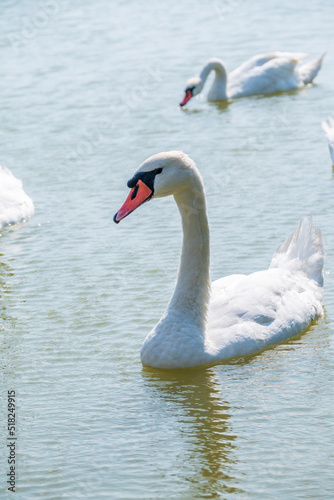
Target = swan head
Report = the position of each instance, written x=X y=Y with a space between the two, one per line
x=193 y=87
x=161 y=175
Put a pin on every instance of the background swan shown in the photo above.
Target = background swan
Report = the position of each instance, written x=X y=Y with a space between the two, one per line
x=242 y=314
x=262 y=74
x=15 y=205
x=328 y=127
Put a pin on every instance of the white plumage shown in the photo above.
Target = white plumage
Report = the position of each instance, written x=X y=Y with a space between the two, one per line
x=328 y=127
x=262 y=74
x=15 y=204
x=238 y=314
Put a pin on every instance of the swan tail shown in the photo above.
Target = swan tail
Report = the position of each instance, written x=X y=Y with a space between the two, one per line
x=302 y=252
x=307 y=72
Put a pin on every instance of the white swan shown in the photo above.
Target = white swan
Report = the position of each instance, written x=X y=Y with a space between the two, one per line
x=262 y=74
x=328 y=127
x=15 y=205
x=242 y=314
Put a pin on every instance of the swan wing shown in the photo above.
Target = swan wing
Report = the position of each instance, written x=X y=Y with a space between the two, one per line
x=262 y=59
x=247 y=313
x=265 y=73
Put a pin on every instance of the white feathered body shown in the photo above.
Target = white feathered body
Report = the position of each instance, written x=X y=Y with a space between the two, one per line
x=247 y=313
x=262 y=74
x=15 y=204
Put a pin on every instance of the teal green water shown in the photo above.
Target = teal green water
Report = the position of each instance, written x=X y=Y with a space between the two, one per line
x=88 y=91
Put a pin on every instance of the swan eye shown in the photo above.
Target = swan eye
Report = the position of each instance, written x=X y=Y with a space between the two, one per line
x=191 y=89
x=158 y=171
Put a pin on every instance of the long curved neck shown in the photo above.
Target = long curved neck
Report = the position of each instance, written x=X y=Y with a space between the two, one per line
x=191 y=295
x=218 y=89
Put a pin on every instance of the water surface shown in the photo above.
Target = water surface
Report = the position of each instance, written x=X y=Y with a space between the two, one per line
x=88 y=91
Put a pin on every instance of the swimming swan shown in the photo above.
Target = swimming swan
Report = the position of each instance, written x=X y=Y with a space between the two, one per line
x=262 y=74
x=15 y=205
x=328 y=127
x=236 y=315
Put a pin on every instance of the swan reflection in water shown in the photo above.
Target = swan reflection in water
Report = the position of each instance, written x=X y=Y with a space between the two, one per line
x=206 y=440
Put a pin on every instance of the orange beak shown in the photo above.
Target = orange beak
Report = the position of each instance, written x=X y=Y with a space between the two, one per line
x=187 y=97
x=138 y=195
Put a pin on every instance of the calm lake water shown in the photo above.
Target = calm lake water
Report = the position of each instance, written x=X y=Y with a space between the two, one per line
x=88 y=91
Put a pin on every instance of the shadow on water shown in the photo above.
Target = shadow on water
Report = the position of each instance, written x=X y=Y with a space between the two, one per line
x=221 y=106
x=194 y=111
x=194 y=397
x=224 y=105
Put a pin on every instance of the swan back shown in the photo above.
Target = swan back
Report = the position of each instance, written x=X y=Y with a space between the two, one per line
x=263 y=75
